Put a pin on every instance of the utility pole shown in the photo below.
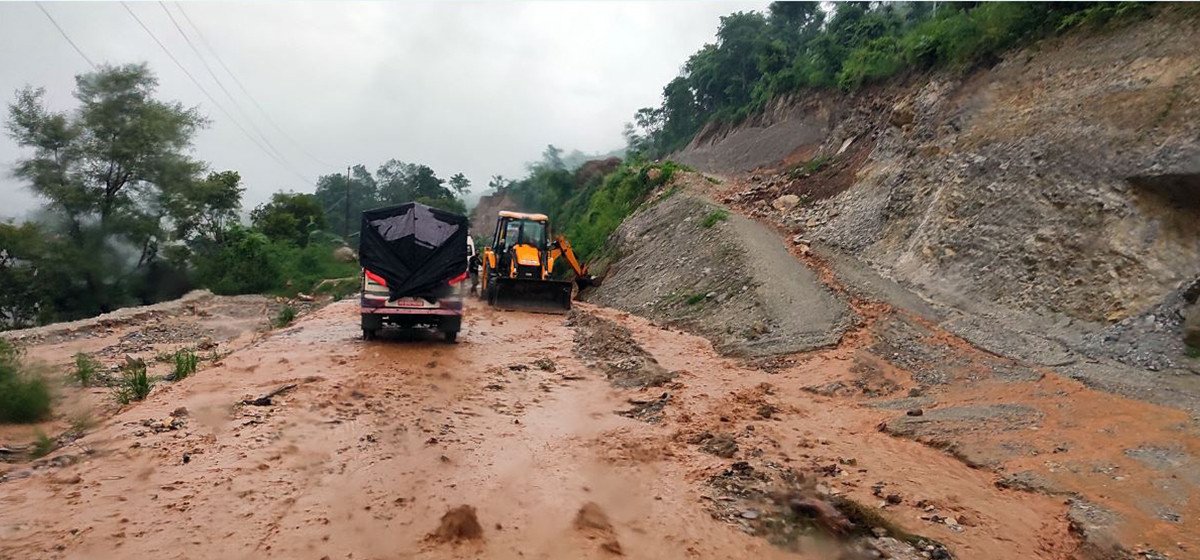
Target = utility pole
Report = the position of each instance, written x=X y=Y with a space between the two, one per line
x=346 y=227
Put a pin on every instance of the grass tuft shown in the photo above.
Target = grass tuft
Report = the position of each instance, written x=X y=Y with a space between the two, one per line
x=185 y=364
x=85 y=370
x=135 y=382
x=24 y=396
x=80 y=423
x=284 y=317
x=713 y=217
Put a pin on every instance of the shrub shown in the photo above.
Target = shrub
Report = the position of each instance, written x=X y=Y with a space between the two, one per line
x=80 y=423
x=694 y=299
x=85 y=370
x=242 y=265
x=249 y=262
x=42 y=444
x=1105 y=13
x=713 y=217
x=284 y=317
x=24 y=396
x=135 y=382
x=872 y=62
x=590 y=216
x=185 y=364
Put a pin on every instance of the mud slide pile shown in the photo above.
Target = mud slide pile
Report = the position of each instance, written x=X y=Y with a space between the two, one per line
x=595 y=436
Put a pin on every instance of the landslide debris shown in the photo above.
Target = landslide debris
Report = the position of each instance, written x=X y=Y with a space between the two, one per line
x=593 y=522
x=683 y=261
x=793 y=511
x=457 y=525
x=604 y=344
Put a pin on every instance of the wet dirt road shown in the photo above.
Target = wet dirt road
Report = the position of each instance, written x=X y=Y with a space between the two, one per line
x=378 y=440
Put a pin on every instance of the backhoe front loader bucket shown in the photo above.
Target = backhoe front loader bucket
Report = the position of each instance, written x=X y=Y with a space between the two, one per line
x=539 y=296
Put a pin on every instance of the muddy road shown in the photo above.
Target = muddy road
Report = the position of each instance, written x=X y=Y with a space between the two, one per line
x=378 y=441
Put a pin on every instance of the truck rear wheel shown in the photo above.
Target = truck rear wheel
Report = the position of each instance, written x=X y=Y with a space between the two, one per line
x=368 y=334
x=451 y=336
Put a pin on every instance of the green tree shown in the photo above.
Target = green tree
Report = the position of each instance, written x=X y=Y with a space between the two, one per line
x=460 y=184
x=290 y=217
x=202 y=211
x=498 y=183
x=552 y=158
x=331 y=194
x=105 y=170
x=22 y=292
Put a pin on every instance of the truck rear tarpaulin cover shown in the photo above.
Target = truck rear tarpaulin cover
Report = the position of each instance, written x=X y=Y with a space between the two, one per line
x=415 y=248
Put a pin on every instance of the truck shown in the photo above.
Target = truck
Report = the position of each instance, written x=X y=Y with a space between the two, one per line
x=414 y=260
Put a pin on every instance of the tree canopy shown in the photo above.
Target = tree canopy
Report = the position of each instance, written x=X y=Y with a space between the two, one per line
x=114 y=173
x=796 y=46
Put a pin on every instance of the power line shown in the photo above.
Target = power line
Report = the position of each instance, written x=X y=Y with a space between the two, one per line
x=208 y=95
x=209 y=69
x=65 y=36
x=257 y=105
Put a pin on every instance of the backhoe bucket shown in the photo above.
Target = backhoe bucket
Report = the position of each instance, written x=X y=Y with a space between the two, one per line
x=539 y=296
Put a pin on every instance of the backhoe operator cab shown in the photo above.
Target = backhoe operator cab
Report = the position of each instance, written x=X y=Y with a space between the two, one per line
x=522 y=243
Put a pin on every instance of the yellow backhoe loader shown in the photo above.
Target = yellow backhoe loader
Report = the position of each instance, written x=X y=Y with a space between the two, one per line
x=518 y=264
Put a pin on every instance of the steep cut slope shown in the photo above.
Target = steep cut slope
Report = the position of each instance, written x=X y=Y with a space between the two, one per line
x=1062 y=182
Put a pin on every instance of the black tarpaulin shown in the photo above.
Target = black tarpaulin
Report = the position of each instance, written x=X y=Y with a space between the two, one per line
x=414 y=247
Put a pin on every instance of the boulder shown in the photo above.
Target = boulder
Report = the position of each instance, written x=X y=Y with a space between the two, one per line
x=902 y=114
x=785 y=202
x=1191 y=325
x=344 y=254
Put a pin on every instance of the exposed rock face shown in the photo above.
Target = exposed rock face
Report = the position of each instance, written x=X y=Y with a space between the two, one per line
x=483 y=216
x=1062 y=180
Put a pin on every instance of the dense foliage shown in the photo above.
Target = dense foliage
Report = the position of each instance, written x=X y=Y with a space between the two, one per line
x=395 y=182
x=796 y=46
x=131 y=218
x=588 y=203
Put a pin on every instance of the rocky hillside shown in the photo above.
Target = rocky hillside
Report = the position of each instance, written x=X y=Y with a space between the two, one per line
x=681 y=260
x=1061 y=183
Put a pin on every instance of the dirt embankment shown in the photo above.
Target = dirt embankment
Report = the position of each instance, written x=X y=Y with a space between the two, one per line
x=207 y=326
x=1047 y=193
x=685 y=261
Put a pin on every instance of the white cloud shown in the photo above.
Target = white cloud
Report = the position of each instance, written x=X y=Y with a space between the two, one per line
x=476 y=87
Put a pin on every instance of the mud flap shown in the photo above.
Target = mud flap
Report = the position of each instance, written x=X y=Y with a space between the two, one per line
x=539 y=296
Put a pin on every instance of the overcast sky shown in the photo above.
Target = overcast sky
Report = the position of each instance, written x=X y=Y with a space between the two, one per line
x=472 y=87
